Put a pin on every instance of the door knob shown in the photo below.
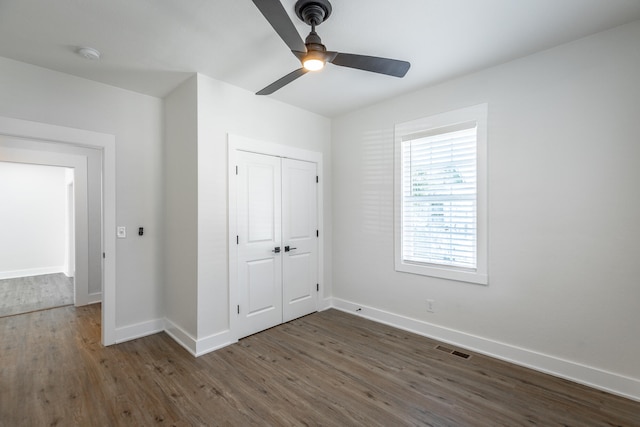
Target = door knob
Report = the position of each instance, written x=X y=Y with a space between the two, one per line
x=287 y=249
x=276 y=249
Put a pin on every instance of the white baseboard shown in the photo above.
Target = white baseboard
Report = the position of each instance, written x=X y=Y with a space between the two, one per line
x=139 y=330
x=325 y=304
x=199 y=347
x=194 y=346
x=181 y=336
x=214 y=342
x=31 y=272
x=576 y=372
x=94 y=298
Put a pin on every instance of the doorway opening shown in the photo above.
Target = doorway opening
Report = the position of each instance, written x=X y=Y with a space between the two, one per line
x=37 y=251
x=39 y=143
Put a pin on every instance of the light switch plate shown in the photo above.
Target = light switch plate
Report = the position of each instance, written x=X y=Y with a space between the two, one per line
x=122 y=232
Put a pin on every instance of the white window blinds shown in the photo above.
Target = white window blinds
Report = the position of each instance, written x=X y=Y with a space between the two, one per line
x=439 y=196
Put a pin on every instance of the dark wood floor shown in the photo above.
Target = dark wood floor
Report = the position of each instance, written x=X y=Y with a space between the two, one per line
x=329 y=368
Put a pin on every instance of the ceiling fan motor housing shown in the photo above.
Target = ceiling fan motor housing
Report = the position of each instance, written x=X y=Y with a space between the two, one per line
x=313 y=42
x=313 y=12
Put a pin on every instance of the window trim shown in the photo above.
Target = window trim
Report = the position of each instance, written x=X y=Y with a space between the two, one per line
x=436 y=124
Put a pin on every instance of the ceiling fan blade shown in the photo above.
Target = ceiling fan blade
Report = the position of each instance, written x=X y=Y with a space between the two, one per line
x=282 y=82
x=275 y=14
x=391 y=67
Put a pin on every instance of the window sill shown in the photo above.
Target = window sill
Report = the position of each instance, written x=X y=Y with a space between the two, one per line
x=449 y=273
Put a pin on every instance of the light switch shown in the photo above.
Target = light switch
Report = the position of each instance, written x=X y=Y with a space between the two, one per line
x=122 y=232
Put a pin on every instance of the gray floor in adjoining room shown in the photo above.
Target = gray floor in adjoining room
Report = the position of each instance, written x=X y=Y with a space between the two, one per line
x=26 y=294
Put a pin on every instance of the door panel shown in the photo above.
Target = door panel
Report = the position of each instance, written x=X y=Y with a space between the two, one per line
x=300 y=196
x=259 y=232
x=299 y=267
x=261 y=195
x=299 y=226
x=263 y=286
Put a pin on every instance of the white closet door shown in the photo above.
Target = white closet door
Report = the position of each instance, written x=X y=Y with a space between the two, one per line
x=299 y=228
x=259 y=242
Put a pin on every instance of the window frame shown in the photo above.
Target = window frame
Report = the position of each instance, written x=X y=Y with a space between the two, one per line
x=424 y=126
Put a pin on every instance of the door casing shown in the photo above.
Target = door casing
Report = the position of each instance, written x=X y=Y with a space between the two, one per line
x=17 y=128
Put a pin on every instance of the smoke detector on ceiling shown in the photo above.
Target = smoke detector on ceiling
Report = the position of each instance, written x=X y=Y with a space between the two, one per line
x=88 y=53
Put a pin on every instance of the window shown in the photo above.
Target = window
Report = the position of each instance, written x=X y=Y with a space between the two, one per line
x=440 y=195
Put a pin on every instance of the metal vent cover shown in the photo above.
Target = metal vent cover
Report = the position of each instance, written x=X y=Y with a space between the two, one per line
x=453 y=352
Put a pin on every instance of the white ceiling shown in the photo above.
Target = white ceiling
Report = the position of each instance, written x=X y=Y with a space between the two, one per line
x=151 y=46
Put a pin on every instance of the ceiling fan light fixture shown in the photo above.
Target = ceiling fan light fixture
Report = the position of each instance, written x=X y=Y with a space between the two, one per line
x=313 y=61
x=313 y=64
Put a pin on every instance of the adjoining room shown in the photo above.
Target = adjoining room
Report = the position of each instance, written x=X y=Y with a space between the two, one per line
x=37 y=249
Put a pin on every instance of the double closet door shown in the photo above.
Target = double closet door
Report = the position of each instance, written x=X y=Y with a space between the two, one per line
x=277 y=241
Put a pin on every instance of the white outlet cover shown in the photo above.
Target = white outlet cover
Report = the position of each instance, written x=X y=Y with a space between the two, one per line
x=122 y=232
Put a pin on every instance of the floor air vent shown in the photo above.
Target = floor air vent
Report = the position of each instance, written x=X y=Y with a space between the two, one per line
x=454 y=352
x=461 y=354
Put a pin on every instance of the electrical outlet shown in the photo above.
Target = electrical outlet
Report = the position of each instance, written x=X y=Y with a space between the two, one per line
x=431 y=306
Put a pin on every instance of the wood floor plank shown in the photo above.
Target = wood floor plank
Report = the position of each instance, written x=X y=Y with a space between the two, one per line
x=329 y=368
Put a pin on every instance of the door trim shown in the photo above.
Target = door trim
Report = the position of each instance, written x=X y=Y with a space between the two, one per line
x=237 y=143
x=106 y=143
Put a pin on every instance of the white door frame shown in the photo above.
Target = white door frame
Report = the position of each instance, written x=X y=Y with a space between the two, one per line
x=239 y=143
x=70 y=255
x=11 y=127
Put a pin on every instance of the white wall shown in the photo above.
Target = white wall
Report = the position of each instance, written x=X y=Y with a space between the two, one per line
x=180 y=207
x=41 y=95
x=222 y=109
x=563 y=210
x=32 y=220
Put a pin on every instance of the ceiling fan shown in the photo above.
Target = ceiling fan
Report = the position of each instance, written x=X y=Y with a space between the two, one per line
x=312 y=53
